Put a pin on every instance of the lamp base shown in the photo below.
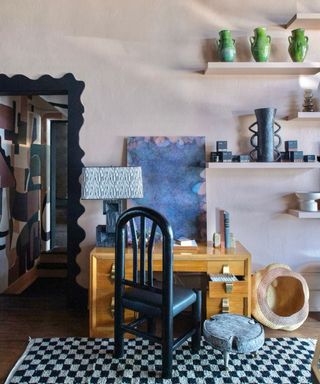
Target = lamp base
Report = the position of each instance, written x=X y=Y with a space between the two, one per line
x=104 y=239
x=112 y=210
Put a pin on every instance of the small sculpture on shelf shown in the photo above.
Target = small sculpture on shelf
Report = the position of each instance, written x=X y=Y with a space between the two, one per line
x=308 y=101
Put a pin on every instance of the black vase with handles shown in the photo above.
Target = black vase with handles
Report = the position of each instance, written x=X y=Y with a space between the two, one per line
x=265 y=149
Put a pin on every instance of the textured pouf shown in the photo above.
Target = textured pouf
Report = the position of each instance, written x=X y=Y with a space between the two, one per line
x=233 y=333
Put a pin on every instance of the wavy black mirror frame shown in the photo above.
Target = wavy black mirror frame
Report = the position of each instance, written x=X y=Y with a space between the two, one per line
x=67 y=84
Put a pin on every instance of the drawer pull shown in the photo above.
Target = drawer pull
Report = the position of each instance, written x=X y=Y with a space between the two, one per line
x=225 y=269
x=112 y=306
x=228 y=287
x=225 y=306
x=113 y=272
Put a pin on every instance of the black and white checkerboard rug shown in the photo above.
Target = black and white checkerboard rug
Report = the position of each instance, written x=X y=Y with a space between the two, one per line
x=83 y=360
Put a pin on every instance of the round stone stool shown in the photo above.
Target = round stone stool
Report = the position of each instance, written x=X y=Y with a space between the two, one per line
x=233 y=333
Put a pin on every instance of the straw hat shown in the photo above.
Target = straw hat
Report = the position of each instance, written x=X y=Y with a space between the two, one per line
x=280 y=297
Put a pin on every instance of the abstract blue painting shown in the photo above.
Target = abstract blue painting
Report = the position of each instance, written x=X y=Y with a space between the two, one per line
x=173 y=172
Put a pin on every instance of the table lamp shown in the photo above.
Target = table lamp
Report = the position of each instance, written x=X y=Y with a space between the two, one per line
x=112 y=185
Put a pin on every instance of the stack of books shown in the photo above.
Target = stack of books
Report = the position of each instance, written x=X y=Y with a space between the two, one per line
x=185 y=242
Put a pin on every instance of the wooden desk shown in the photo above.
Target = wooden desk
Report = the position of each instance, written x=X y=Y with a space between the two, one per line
x=204 y=259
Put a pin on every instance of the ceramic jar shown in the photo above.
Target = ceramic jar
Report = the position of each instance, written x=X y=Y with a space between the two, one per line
x=308 y=201
x=226 y=46
x=298 y=45
x=260 y=44
x=263 y=139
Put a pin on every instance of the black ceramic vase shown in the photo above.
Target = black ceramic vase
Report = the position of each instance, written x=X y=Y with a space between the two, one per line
x=265 y=149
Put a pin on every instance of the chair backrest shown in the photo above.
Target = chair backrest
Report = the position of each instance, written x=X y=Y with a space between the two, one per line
x=142 y=251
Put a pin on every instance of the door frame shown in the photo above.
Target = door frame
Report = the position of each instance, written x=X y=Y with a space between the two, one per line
x=66 y=85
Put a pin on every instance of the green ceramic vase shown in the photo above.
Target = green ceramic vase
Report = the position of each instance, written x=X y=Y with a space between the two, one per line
x=260 y=44
x=226 y=46
x=298 y=45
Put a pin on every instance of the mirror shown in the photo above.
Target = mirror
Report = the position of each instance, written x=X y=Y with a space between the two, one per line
x=34 y=116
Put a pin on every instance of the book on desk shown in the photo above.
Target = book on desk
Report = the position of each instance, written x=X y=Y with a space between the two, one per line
x=185 y=242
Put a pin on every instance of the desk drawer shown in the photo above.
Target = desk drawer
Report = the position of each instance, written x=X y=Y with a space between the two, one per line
x=221 y=289
x=236 y=305
x=103 y=304
x=103 y=276
x=235 y=267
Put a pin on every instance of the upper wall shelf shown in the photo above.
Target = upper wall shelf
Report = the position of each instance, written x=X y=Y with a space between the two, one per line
x=304 y=20
x=266 y=68
x=260 y=165
x=306 y=116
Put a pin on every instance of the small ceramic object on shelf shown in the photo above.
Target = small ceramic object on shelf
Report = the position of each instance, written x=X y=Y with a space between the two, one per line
x=308 y=101
x=260 y=45
x=307 y=201
x=298 y=45
x=226 y=46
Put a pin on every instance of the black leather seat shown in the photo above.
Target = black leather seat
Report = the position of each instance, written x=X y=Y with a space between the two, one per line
x=150 y=303
x=145 y=296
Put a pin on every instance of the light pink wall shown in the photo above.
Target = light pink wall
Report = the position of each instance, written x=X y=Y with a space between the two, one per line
x=139 y=60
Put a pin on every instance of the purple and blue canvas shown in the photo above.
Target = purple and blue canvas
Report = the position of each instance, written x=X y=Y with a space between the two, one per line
x=173 y=171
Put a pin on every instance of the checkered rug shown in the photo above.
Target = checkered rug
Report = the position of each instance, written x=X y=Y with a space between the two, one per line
x=88 y=361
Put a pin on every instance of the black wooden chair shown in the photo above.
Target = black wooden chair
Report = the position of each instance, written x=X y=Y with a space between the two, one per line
x=143 y=296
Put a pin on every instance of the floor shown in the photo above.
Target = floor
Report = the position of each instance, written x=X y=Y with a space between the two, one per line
x=41 y=311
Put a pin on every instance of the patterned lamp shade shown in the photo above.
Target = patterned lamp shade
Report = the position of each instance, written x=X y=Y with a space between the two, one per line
x=111 y=183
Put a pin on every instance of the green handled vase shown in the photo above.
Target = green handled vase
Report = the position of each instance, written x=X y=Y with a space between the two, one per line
x=226 y=46
x=260 y=44
x=298 y=45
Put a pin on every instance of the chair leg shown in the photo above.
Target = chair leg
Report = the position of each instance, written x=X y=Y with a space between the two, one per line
x=118 y=332
x=167 y=344
x=167 y=360
x=196 y=314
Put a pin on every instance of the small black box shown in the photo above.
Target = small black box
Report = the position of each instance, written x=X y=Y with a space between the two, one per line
x=296 y=156
x=291 y=145
x=241 y=159
x=225 y=156
x=285 y=156
x=221 y=146
x=309 y=158
x=244 y=158
x=235 y=158
x=214 y=157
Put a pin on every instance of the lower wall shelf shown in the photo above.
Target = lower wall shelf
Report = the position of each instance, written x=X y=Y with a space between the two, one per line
x=304 y=214
x=259 y=165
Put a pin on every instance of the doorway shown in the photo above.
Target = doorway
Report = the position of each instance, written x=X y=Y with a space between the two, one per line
x=59 y=185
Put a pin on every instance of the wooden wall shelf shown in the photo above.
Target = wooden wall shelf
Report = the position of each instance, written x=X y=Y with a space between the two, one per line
x=258 y=165
x=253 y=68
x=304 y=214
x=304 y=20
